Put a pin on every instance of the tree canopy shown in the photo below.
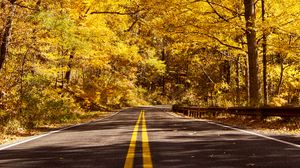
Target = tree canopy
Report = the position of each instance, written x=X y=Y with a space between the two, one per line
x=58 y=58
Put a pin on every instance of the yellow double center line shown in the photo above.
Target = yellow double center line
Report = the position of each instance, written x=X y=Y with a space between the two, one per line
x=147 y=161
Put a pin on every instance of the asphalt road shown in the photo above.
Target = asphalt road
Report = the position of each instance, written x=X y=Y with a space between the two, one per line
x=173 y=142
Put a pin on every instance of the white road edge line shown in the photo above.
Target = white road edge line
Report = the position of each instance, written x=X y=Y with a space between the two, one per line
x=53 y=132
x=244 y=131
x=256 y=134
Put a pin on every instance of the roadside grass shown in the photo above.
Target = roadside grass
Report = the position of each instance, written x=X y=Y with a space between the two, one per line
x=13 y=131
x=267 y=125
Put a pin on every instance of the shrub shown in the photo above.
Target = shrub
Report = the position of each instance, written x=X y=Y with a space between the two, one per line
x=41 y=104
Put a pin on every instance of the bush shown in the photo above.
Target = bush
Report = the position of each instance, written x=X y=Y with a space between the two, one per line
x=278 y=101
x=41 y=104
x=13 y=127
x=47 y=107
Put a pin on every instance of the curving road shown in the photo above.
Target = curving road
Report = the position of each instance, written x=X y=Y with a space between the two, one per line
x=162 y=140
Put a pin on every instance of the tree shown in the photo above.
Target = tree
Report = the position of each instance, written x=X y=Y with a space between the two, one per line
x=91 y=55
x=7 y=33
x=250 y=15
x=264 y=55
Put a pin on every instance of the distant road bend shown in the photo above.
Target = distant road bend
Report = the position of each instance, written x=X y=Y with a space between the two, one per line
x=152 y=137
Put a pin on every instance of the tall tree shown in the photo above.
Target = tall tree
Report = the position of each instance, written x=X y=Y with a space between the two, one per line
x=264 y=55
x=7 y=33
x=250 y=17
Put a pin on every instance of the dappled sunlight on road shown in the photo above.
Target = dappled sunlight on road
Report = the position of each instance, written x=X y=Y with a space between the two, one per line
x=173 y=142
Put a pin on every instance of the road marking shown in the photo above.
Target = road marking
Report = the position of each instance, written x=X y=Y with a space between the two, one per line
x=147 y=161
x=241 y=130
x=131 y=151
x=52 y=132
x=256 y=134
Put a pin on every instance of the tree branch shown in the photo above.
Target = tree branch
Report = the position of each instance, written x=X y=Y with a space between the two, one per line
x=219 y=5
x=222 y=43
x=26 y=7
x=216 y=12
x=207 y=75
x=114 y=13
x=217 y=39
x=132 y=25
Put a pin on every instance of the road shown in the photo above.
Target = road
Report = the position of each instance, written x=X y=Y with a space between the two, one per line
x=151 y=137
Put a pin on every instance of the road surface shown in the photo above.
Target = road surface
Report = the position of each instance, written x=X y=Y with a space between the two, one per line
x=152 y=137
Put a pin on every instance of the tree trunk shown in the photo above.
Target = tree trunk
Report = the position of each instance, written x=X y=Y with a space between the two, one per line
x=246 y=78
x=237 y=81
x=70 y=64
x=62 y=80
x=7 y=33
x=280 y=78
x=24 y=59
x=227 y=74
x=253 y=90
x=264 y=59
x=186 y=83
x=163 y=80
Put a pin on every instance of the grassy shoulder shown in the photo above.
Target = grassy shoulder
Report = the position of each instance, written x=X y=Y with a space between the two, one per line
x=268 y=125
x=15 y=132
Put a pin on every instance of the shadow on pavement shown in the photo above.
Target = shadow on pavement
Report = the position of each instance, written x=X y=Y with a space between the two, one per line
x=174 y=142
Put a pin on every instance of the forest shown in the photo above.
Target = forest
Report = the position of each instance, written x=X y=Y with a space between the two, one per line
x=59 y=59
